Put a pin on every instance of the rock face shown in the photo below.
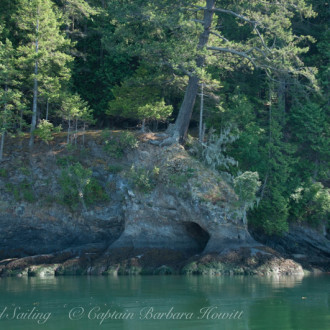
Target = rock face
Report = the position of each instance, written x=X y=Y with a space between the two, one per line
x=188 y=208
x=40 y=232
x=167 y=201
x=301 y=240
x=309 y=246
x=166 y=220
x=171 y=216
x=193 y=216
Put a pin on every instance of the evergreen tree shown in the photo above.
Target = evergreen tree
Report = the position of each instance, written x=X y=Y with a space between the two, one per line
x=42 y=51
x=139 y=98
x=10 y=96
x=75 y=110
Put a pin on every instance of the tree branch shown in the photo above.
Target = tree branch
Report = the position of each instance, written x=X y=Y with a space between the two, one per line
x=179 y=67
x=230 y=12
x=262 y=39
x=233 y=51
x=258 y=50
x=219 y=36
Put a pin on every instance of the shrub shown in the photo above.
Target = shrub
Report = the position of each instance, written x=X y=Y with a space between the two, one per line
x=45 y=130
x=65 y=161
x=79 y=187
x=142 y=179
x=116 y=145
x=128 y=140
x=246 y=186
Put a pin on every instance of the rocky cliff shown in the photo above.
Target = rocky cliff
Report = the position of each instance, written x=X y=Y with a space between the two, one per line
x=161 y=211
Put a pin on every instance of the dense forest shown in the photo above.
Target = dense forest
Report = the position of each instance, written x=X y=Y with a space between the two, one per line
x=244 y=83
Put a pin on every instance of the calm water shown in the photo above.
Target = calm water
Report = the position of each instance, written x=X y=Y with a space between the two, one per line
x=134 y=302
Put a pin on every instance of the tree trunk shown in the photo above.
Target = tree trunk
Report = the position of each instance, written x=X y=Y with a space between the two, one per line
x=39 y=113
x=34 y=107
x=203 y=131
x=76 y=133
x=155 y=126
x=47 y=109
x=35 y=89
x=69 y=128
x=143 y=126
x=81 y=196
x=200 y=135
x=187 y=106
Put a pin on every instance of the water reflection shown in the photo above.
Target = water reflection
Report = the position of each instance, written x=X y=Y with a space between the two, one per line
x=265 y=302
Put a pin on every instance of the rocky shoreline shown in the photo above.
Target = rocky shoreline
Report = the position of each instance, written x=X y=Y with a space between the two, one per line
x=127 y=261
x=181 y=219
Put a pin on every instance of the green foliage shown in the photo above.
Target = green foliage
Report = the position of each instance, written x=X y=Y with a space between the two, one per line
x=65 y=161
x=43 y=51
x=9 y=187
x=265 y=218
x=131 y=60
x=25 y=171
x=116 y=144
x=10 y=95
x=71 y=147
x=178 y=179
x=26 y=192
x=22 y=191
x=142 y=179
x=246 y=186
x=156 y=171
x=311 y=132
x=74 y=108
x=75 y=111
x=95 y=193
x=155 y=111
x=78 y=187
x=45 y=130
x=311 y=203
x=136 y=101
x=3 y=173
x=115 y=168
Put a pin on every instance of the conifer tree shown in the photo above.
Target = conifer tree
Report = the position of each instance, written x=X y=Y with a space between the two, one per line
x=10 y=96
x=42 y=51
x=187 y=37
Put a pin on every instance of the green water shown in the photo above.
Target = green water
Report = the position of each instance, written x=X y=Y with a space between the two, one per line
x=168 y=302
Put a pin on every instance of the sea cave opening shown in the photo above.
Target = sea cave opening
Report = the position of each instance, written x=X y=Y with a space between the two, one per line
x=198 y=234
